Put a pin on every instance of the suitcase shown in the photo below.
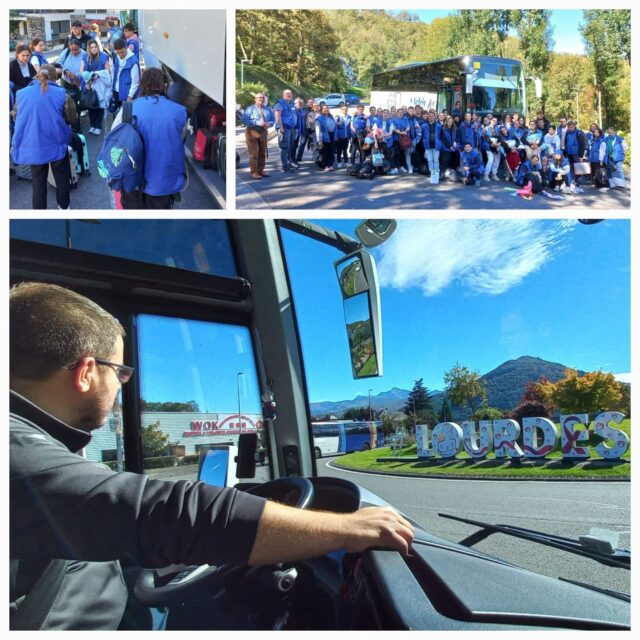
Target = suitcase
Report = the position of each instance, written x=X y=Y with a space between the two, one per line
x=202 y=145
x=23 y=172
x=84 y=167
x=74 y=172
x=212 y=160
x=210 y=117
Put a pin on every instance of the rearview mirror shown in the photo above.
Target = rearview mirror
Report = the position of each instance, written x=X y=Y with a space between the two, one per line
x=358 y=282
x=374 y=232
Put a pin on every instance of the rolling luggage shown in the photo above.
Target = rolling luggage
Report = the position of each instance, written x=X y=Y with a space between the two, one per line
x=211 y=117
x=74 y=172
x=23 y=172
x=79 y=142
x=202 y=145
x=601 y=178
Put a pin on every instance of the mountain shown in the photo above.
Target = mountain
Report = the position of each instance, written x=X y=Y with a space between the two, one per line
x=505 y=385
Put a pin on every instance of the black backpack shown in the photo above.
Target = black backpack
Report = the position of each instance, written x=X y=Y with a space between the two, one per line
x=367 y=171
x=601 y=178
x=354 y=169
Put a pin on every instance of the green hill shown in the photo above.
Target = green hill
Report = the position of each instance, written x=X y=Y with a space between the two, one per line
x=257 y=78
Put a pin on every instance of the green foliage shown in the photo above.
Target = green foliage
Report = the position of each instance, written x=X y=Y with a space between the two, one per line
x=607 y=37
x=154 y=442
x=445 y=415
x=193 y=458
x=487 y=413
x=177 y=407
x=465 y=388
x=419 y=406
x=160 y=462
x=593 y=392
x=356 y=413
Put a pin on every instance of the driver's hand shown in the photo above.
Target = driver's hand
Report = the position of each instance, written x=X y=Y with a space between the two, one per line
x=379 y=527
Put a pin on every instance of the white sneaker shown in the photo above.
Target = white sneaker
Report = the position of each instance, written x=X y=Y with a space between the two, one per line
x=403 y=170
x=393 y=172
x=486 y=178
x=67 y=209
x=91 y=130
x=556 y=188
x=97 y=132
x=495 y=178
x=410 y=170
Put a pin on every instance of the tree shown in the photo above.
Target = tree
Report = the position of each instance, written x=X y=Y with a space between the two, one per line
x=419 y=406
x=487 y=413
x=445 y=415
x=190 y=406
x=356 y=413
x=591 y=393
x=607 y=37
x=465 y=388
x=154 y=442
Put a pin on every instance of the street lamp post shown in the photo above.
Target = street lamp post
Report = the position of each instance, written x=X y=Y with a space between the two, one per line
x=240 y=373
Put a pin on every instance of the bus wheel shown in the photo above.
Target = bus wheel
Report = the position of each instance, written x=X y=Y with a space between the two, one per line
x=366 y=446
x=318 y=453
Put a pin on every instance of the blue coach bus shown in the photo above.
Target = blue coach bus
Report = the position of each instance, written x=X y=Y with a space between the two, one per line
x=333 y=437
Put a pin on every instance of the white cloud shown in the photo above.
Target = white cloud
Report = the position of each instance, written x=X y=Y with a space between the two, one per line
x=622 y=377
x=486 y=256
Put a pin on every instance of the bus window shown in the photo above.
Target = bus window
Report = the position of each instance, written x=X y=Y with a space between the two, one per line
x=196 y=379
x=202 y=246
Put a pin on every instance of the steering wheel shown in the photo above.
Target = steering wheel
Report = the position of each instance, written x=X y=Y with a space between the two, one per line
x=191 y=580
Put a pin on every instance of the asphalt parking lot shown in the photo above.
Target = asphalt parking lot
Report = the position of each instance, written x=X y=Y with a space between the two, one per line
x=311 y=188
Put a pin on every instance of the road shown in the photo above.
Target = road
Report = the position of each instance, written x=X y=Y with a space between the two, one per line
x=93 y=193
x=569 y=509
x=310 y=188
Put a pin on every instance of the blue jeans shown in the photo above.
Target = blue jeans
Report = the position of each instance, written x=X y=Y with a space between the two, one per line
x=285 y=136
x=433 y=160
x=615 y=170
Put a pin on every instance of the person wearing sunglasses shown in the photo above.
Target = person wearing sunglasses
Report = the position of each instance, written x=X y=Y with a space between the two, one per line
x=72 y=520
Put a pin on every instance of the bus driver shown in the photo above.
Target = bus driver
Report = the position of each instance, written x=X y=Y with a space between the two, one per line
x=65 y=373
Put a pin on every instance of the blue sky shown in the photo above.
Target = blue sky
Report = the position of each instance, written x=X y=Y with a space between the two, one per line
x=565 y=24
x=477 y=292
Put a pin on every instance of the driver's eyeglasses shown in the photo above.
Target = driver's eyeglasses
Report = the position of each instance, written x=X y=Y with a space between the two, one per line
x=122 y=371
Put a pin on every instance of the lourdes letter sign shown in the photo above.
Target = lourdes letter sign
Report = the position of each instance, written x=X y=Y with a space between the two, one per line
x=539 y=438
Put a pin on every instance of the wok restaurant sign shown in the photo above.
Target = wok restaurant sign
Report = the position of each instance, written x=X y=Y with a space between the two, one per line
x=540 y=437
x=228 y=426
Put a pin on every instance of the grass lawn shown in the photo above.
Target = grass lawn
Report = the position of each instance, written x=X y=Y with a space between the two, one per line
x=551 y=467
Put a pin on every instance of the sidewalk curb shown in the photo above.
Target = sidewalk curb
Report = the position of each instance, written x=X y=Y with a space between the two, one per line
x=444 y=476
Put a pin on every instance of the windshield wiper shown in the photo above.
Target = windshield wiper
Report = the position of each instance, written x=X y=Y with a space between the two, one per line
x=588 y=546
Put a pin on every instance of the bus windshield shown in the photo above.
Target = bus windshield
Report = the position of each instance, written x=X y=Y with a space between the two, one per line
x=497 y=87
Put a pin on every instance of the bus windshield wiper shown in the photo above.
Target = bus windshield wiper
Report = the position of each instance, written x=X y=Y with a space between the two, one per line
x=589 y=546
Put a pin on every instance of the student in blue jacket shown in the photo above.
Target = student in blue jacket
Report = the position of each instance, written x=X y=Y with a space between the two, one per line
x=598 y=154
x=472 y=167
x=431 y=134
x=326 y=132
x=343 y=134
x=402 y=128
x=126 y=73
x=162 y=125
x=617 y=149
x=41 y=136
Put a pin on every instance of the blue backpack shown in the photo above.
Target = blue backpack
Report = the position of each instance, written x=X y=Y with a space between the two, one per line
x=121 y=159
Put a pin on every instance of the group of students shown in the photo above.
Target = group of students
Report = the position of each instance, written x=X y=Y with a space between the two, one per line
x=456 y=145
x=46 y=101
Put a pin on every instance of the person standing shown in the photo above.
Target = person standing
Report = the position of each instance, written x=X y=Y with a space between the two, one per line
x=575 y=146
x=132 y=40
x=97 y=61
x=308 y=133
x=21 y=71
x=77 y=33
x=126 y=73
x=257 y=119
x=342 y=137
x=286 y=121
x=162 y=125
x=431 y=131
x=96 y=36
x=358 y=131
x=449 y=157
x=616 y=149
x=41 y=136
x=598 y=153
x=298 y=131
x=38 y=58
x=326 y=135
x=402 y=150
